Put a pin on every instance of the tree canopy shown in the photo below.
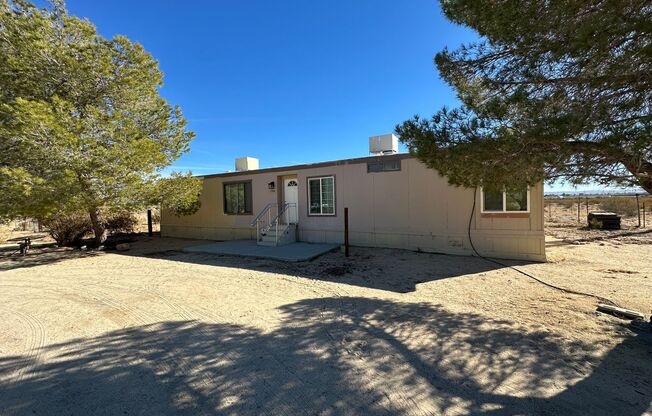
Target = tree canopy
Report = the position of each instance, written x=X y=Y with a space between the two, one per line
x=553 y=90
x=82 y=122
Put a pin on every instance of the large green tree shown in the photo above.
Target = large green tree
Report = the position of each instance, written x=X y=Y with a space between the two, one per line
x=552 y=90
x=82 y=123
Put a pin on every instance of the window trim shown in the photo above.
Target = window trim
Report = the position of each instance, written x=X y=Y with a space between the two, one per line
x=504 y=210
x=310 y=178
x=224 y=184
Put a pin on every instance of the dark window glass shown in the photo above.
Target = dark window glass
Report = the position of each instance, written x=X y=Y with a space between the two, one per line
x=493 y=201
x=374 y=167
x=385 y=166
x=315 y=196
x=237 y=198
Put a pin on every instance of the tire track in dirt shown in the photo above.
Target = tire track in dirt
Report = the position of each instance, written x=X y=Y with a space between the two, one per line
x=318 y=290
x=169 y=365
x=36 y=341
x=206 y=382
x=98 y=294
x=184 y=313
x=58 y=293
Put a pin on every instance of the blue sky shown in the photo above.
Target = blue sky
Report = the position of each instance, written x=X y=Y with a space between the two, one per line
x=288 y=81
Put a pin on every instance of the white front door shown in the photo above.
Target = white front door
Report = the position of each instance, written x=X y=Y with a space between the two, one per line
x=291 y=195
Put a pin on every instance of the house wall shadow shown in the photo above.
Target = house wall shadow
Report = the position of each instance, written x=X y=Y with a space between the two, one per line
x=331 y=356
x=392 y=270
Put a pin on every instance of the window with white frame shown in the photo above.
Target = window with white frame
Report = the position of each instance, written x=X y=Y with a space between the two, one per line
x=321 y=195
x=506 y=201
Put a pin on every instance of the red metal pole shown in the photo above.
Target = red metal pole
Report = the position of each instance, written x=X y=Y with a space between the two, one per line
x=346 y=232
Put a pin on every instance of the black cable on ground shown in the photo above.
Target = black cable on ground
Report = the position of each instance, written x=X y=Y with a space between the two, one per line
x=550 y=285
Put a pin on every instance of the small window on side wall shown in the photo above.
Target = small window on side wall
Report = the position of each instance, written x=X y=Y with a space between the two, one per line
x=506 y=201
x=384 y=166
x=237 y=198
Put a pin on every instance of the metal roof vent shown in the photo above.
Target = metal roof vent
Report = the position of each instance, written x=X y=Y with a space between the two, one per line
x=386 y=144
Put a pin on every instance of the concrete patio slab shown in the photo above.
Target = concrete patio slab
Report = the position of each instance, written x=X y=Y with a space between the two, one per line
x=294 y=252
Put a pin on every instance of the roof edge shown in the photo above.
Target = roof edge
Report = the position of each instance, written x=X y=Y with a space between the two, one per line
x=340 y=162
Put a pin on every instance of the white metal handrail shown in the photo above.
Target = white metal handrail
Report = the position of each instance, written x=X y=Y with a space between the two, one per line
x=274 y=223
x=265 y=220
x=264 y=211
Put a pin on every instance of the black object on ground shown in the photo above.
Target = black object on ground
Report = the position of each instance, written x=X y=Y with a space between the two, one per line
x=604 y=220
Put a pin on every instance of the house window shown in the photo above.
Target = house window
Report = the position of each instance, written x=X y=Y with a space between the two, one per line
x=506 y=201
x=384 y=166
x=321 y=195
x=237 y=198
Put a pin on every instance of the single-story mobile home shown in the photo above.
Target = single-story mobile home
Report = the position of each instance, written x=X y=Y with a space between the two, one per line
x=393 y=200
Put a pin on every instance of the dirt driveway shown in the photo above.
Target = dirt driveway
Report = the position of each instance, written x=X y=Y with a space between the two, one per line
x=155 y=331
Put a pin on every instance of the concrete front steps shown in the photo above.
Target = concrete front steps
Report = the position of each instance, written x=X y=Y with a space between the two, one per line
x=287 y=234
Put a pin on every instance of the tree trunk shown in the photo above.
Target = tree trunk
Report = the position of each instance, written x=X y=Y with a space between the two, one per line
x=98 y=228
x=646 y=183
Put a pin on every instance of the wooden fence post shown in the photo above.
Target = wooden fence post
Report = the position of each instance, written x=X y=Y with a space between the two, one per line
x=638 y=210
x=579 y=205
x=149 y=222
x=643 y=214
x=587 y=206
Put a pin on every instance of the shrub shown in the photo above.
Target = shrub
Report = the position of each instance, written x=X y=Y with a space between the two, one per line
x=119 y=222
x=68 y=230
x=623 y=205
x=566 y=202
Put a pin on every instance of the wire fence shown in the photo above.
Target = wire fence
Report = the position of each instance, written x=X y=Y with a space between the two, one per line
x=635 y=208
x=26 y=225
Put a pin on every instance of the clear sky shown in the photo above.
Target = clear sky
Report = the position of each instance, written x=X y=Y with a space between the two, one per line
x=287 y=81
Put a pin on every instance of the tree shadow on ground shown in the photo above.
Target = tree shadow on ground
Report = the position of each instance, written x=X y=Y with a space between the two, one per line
x=49 y=253
x=392 y=270
x=10 y=260
x=332 y=356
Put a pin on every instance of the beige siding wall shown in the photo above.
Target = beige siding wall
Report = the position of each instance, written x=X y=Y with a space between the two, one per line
x=210 y=222
x=413 y=208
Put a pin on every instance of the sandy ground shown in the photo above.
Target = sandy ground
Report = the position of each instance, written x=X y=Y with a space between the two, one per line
x=154 y=331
